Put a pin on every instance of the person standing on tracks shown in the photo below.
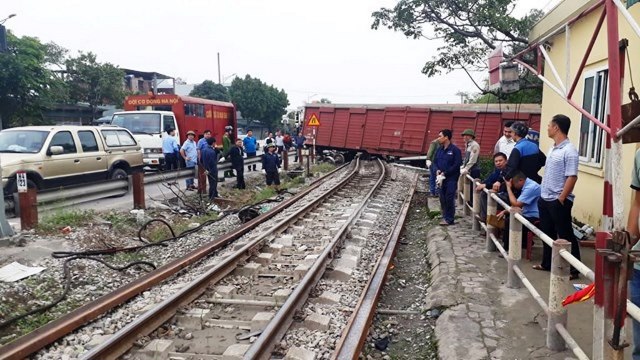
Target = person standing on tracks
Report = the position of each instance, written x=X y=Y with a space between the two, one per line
x=237 y=163
x=299 y=144
x=271 y=165
x=506 y=143
x=556 y=199
x=633 y=228
x=210 y=163
x=169 y=149
x=250 y=146
x=431 y=155
x=447 y=163
x=525 y=156
x=189 y=153
x=526 y=204
x=226 y=146
x=471 y=154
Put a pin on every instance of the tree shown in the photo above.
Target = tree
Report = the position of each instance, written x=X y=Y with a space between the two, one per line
x=94 y=83
x=467 y=29
x=210 y=90
x=325 y=101
x=258 y=101
x=27 y=86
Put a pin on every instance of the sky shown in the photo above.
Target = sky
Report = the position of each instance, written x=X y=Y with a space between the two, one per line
x=311 y=49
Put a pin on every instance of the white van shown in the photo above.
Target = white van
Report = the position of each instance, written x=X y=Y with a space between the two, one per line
x=148 y=128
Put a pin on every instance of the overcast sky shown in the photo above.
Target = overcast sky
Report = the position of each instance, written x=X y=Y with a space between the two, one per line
x=311 y=49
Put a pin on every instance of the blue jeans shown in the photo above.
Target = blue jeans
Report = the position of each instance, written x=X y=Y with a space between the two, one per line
x=448 y=199
x=190 y=165
x=634 y=291
x=432 y=181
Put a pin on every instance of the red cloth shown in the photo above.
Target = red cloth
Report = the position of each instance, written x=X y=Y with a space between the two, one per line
x=580 y=295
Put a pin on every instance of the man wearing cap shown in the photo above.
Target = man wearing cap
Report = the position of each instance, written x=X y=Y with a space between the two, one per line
x=470 y=162
x=210 y=163
x=270 y=165
x=525 y=156
x=169 y=149
x=189 y=153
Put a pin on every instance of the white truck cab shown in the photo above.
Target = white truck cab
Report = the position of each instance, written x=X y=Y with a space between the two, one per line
x=148 y=128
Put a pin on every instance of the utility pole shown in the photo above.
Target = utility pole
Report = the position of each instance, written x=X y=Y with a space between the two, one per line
x=219 y=77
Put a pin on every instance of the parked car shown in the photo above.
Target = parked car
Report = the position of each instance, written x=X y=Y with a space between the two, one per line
x=54 y=156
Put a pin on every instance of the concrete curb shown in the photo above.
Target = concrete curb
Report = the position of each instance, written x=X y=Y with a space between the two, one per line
x=442 y=290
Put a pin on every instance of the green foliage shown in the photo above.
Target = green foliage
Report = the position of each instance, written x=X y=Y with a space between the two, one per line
x=468 y=29
x=210 y=90
x=322 y=168
x=263 y=194
x=259 y=101
x=486 y=166
x=325 y=101
x=60 y=219
x=27 y=86
x=94 y=83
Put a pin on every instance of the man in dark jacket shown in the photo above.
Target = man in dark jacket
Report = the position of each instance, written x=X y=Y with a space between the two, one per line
x=495 y=182
x=210 y=164
x=525 y=156
x=299 y=144
x=448 y=161
x=237 y=163
x=271 y=165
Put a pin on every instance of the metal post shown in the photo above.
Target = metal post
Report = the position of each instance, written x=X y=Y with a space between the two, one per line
x=313 y=154
x=28 y=209
x=308 y=164
x=467 y=195
x=219 y=77
x=5 y=228
x=202 y=180
x=137 y=183
x=285 y=159
x=300 y=157
x=557 y=292
x=476 y=209
x=460 y=186
x=515 y=251
x=492 y=209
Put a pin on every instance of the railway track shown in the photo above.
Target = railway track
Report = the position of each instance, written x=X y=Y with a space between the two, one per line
x=277 y=279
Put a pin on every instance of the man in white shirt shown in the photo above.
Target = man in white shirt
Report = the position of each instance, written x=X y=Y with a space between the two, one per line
x=506 y=143
x=279 y=142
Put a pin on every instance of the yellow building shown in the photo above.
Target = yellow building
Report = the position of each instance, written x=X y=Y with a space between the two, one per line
x=590 y=93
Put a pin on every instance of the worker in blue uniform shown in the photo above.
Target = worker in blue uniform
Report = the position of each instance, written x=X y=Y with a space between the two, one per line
x=447 y=163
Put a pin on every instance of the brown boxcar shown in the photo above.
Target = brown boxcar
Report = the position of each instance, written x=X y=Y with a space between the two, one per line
x=407 y=130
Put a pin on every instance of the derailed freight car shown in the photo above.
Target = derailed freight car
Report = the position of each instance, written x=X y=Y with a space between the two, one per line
x=396 y=131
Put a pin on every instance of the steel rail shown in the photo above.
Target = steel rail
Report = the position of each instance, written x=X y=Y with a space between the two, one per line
x=52 y=331
x=122 y=341
x=278 y=326
x=355 y=333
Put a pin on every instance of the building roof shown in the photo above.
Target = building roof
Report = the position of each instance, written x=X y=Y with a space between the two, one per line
x=145 y=74
x=552 y=23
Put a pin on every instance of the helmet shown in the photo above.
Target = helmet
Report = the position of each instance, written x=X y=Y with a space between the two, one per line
x=469 y=132
x=191 y=132
x=520 y=129
x=228 y=128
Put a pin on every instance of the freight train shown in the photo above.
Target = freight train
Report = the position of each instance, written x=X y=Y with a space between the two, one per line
x=405 y=131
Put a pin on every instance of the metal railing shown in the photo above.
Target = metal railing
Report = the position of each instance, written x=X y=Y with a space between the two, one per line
x=558 y=336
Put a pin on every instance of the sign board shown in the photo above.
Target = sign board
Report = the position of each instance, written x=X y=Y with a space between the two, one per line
x=22 y=182
x=313 y=121
x=305 y=152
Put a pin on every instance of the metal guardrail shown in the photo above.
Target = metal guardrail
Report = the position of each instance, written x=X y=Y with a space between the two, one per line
x=61 y=197
x=557 y=334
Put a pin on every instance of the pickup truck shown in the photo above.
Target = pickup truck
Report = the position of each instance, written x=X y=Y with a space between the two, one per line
x=54 y=156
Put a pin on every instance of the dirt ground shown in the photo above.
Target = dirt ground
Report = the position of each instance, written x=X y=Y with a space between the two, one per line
x=409 y=335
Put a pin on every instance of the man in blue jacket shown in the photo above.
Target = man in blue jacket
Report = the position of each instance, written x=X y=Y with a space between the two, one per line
x=447 y=162
x=495 y=182
x=250 y=147
x=525 y=156
x=271 y=164
x=210 y=163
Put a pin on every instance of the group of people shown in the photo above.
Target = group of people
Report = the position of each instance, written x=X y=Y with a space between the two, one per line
x=285 y=142
x=543 y=200
x=205 y=154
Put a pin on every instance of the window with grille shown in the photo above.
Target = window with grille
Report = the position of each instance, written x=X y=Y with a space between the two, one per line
x=595 y=101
